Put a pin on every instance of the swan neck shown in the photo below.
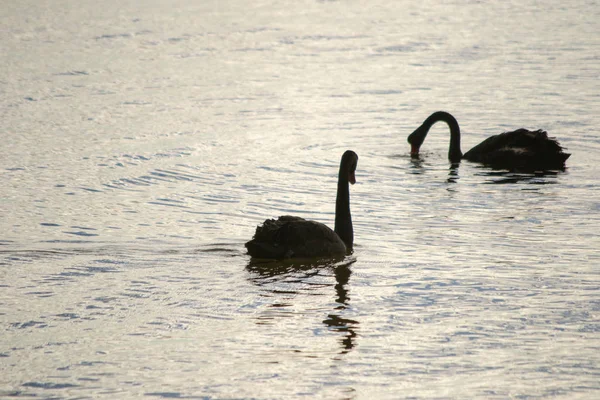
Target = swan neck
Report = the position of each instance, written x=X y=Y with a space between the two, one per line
x=454 y=153
x=343 y=219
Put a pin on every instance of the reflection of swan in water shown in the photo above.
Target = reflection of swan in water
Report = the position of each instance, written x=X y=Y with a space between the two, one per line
x=517 y=150
x=290 y=271
x=453 y=174
x=492 y=176
x=538 y=178
x=336 y=322
x=295 y=237
x=264 y=272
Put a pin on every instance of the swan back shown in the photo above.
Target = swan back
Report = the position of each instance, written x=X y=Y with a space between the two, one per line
x=520 y=150
x=294 y=237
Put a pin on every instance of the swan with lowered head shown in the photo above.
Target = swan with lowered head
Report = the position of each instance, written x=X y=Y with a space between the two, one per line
x=295 y=237
x=517 y=150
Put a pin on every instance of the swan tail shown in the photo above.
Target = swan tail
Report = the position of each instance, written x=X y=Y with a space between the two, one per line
x=270 y=239
x=258 y=249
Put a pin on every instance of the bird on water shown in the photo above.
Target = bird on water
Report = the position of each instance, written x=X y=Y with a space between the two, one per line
x=294 y=237
x=521 y=150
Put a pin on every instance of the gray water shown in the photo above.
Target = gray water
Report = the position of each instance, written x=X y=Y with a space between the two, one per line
x=142 y=144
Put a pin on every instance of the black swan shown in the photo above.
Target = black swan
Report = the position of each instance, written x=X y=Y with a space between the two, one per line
x=522 y=149
x=295 y=237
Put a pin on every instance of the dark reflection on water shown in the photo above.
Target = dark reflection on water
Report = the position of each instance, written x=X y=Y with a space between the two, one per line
x=536 y=178
x=337 y=322
x=417 y=165
x=453 y=173
x=268 y=272
x=300 y=272
x=547 y=177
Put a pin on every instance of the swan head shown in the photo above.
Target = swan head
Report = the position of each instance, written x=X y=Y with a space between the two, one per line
x=348 y=165
x=416 y=139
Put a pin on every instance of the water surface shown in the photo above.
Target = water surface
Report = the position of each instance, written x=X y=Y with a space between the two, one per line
x=142 y=146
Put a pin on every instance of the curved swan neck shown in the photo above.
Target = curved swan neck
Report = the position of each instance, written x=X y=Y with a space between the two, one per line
x=454 y=153
x=343 y=219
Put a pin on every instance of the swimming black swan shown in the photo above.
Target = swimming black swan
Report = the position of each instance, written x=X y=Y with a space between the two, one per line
x=517 y=150
x=295 y=237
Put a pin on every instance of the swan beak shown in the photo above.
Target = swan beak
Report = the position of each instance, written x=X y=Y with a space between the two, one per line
x=351 y=177
x=414 y=150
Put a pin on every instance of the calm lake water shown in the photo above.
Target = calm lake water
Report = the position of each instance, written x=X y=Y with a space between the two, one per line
x=141 y=146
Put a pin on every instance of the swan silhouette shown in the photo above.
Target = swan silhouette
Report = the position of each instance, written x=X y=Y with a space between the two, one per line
x=521 y=150
x=295 y=237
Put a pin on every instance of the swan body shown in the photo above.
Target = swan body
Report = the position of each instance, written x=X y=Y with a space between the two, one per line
x=295 y=237
x=517 y=150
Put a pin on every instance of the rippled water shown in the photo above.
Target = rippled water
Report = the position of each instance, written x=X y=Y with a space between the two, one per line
x=142 y=145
